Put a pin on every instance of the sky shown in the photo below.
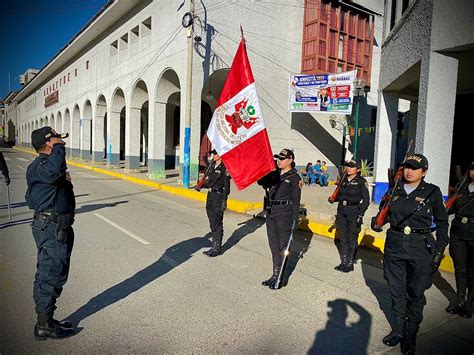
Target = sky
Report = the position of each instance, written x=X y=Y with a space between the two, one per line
x=33 y=31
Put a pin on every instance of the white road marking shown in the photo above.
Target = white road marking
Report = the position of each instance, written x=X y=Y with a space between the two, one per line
x=7 y=159
x=22 y=159
x=123 y=230
x=22 y=168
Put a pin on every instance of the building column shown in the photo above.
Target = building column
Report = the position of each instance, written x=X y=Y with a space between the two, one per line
x=98 y=144
x=157 y=139
x=385 y=142
x=412 y=125
x=434 y=129
x=113 y=138
x=85 y=137
x=132 y=139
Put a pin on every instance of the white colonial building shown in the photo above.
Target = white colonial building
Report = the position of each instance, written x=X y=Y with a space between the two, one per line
x=119 y=86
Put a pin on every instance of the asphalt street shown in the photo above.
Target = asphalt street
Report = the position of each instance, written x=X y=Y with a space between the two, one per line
x=139 y=283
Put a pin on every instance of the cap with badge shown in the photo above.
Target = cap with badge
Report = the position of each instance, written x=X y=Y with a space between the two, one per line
x=213 y=151
x=352 y=163
x=416 y=161
x=41 y=136
x=285 y=154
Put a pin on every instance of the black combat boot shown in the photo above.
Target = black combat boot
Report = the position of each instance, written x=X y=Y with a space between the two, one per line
x=53 y=329
x=272 y=279
x=215 y=249
x=349 y=266
x=466 y=312
x=409 y=341
x=459 y=306
x=396 y=335
x=342 y=265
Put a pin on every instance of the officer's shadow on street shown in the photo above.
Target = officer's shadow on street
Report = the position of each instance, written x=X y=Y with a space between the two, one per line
x=342 y=334
x=247 y=227
x=174 y=256
x=97 y=206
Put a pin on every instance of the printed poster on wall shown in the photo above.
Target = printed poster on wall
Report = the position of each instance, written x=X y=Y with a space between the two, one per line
x=324 y=93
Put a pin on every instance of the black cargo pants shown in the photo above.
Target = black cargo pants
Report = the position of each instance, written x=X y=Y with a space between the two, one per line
x=52 y=267
x=215 y=215
x=347 y=231
x=278 y=232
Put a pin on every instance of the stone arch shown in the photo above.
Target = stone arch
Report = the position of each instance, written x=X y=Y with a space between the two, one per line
x=59 y=122
x=67 y=128
x=99 y=123
x=137 y=127
x=165 y=128
x=86 y=131
x=116 y=129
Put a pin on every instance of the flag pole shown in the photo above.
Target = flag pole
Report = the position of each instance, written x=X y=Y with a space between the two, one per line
x=189 y=90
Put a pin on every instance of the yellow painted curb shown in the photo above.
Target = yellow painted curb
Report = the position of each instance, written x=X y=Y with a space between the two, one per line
x=367 y=238
x=233 y=205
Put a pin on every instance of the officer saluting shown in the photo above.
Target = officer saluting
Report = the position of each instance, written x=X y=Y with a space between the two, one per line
x=411 y=254
x=50 y=194
x=283 y=210
x=218 y=181
x=461 y=246
x=353 y=202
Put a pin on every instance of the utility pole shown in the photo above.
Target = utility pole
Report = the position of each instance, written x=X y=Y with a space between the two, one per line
x=189 y=89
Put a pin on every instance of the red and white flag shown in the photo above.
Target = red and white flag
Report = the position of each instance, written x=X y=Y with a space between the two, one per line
x=237 y=130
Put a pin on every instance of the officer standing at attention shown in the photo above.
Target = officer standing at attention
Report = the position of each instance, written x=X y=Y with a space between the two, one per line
x=353 y=202
x=218 y=181
x=283 y=210
x=411 y=254
x=4 y=169
x=461 y=247
x=50 y=194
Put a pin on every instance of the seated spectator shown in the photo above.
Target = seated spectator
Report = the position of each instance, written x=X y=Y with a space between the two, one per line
x=324 y=168
x=309 y=172
x=319 y=175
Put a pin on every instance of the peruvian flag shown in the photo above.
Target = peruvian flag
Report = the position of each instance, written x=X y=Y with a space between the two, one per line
x=237 y=131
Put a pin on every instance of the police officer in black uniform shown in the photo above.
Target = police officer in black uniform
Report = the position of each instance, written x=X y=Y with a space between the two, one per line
x=50 y=194
x=4 y=169
x=461 y=247
x=353 y=202
x=283 y=210
x=218 y=182
x=411 y=253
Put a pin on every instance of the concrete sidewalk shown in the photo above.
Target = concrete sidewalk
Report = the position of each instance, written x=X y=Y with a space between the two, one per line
x=321 y=214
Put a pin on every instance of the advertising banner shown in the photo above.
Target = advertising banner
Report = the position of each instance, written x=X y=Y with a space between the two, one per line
x=325 y=93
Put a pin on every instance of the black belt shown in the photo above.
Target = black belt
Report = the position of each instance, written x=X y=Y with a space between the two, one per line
x=280 y=202
x=464 y=220
x=408 y=230
x=347 y=203
x=217 y=190
x=50 y=216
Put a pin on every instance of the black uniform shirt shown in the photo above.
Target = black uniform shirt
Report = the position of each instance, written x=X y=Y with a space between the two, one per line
x=48 y=188
x=287 y=189
x=433 y=213
x=355 y=192
x=218 y=179
x=463 y=207
x=3 y=165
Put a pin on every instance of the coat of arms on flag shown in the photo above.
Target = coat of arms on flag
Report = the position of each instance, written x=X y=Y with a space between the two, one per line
x=237 y=130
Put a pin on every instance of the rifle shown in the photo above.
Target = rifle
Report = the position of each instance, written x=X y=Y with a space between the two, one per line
x=337 y=191
x=455 y=195
x=202 y=180
x=286 y=257
x=381 y=217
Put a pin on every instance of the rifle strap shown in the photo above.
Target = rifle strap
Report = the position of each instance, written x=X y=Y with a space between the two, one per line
x=467 y=203
x=419 y=207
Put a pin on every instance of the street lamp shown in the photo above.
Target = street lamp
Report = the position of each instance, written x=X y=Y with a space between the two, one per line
x=359 y=89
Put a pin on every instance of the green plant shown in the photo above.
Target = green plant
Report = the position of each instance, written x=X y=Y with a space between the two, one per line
x=366 y=168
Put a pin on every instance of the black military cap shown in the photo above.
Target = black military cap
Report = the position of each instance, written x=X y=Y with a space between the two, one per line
x=285 y=154
x=213 y=151
x=352 y=163
x=416 y=161
x=40 y=136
